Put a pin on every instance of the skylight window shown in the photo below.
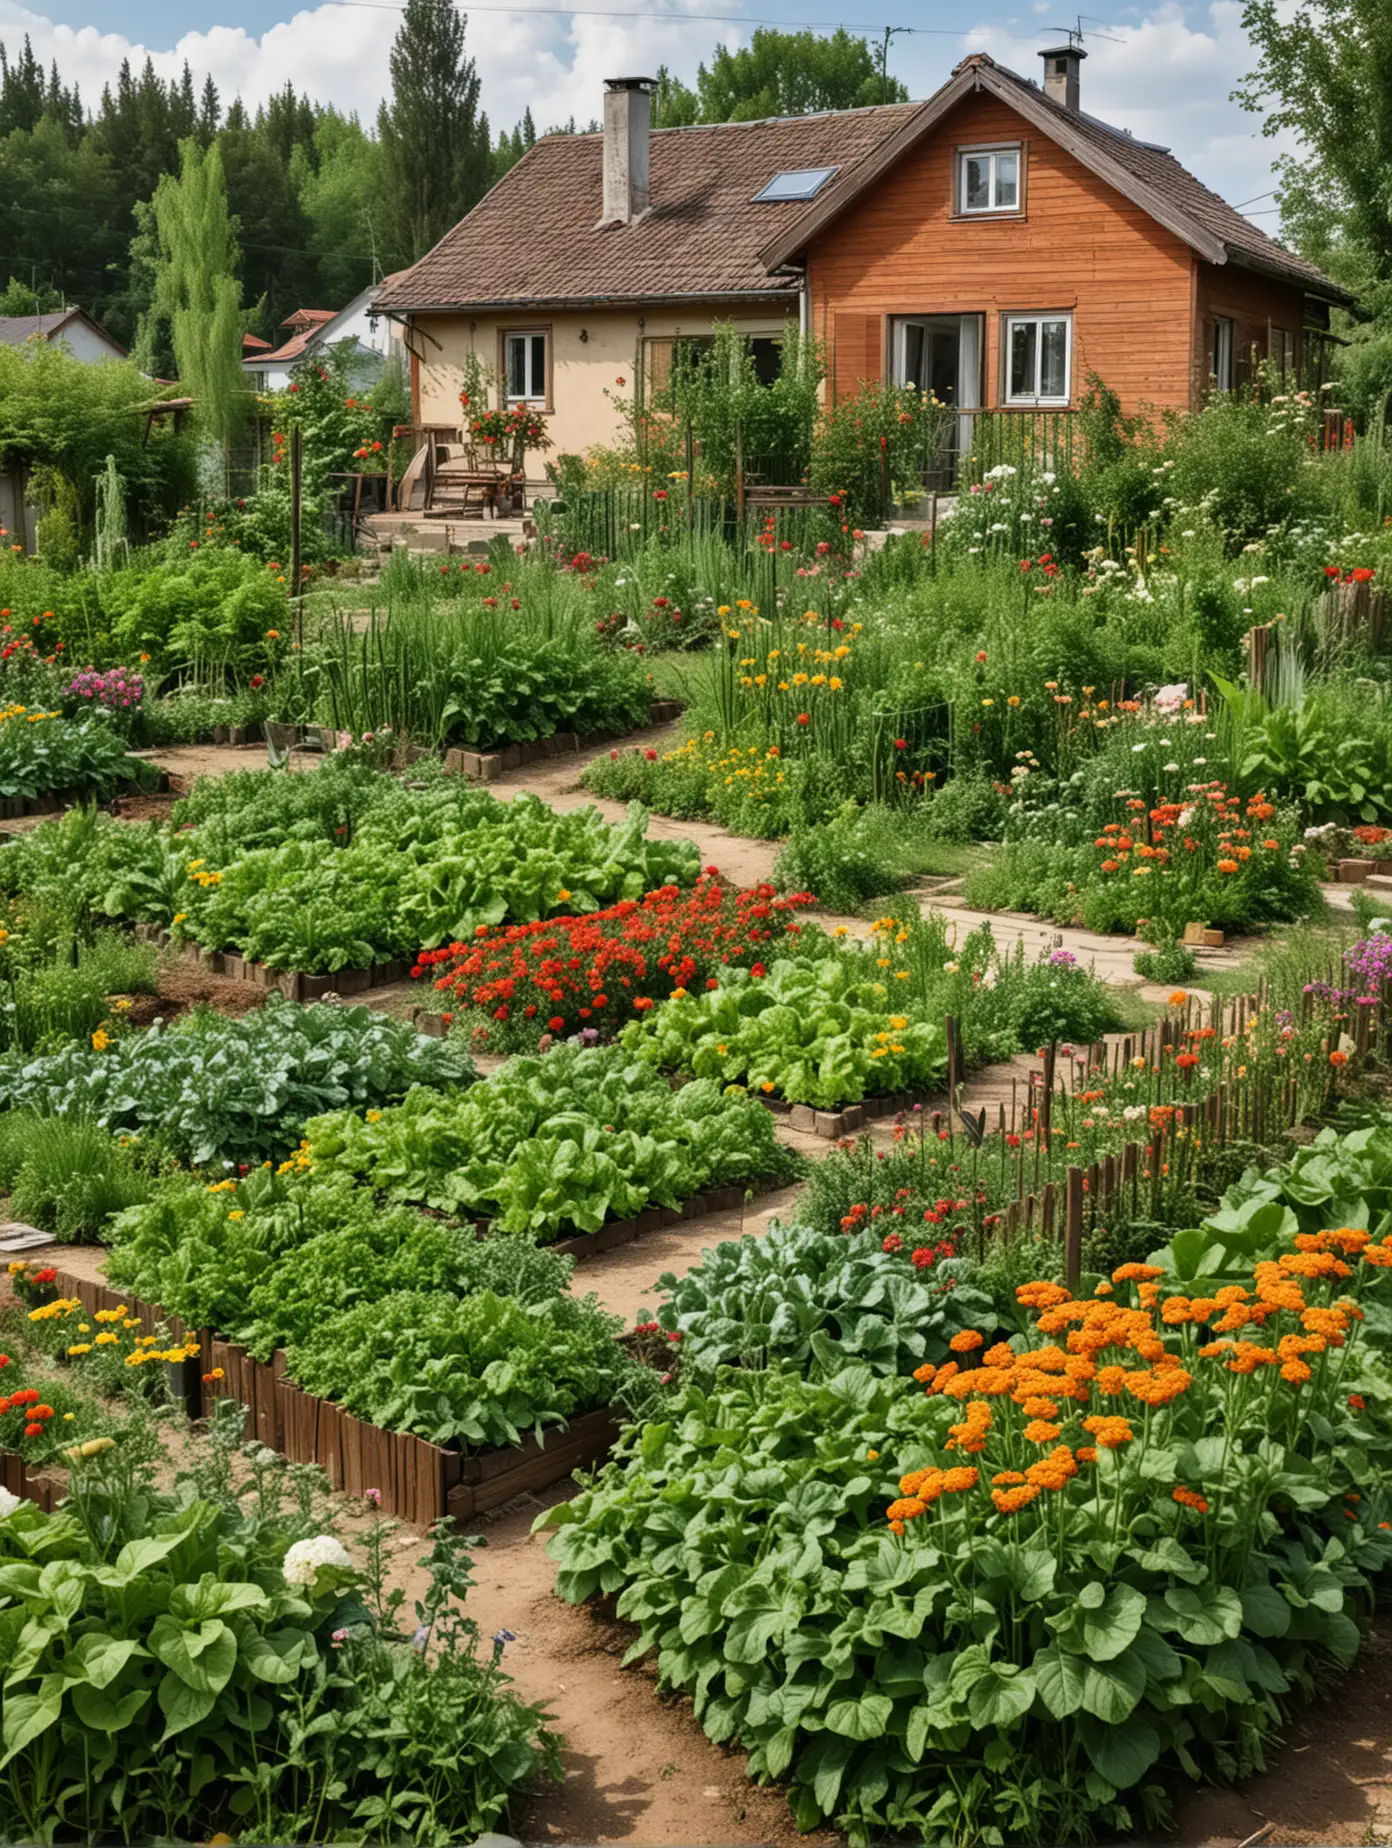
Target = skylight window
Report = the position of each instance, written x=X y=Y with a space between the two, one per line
x=803 y=183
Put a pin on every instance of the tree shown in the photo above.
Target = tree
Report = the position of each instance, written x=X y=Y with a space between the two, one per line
x=19 y=298
x=436 y=155
x=1325 y=75
x=341 y=192
x=196 y=293
x=778 y=74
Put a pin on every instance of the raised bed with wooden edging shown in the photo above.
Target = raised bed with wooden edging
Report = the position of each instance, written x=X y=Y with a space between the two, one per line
x=419 y=1481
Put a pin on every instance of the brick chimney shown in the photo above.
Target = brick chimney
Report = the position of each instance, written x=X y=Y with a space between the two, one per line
x=627 y=129
x=1062 y=66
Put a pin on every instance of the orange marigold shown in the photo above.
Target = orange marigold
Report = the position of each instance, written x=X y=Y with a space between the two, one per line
x=1011 y=1501
x=966 y=1341
x=958 y=1481
x=1040 y=1431
x=907 y=1509
x=1111 y=1433
x=1136 y=1273
x=1189 y=1498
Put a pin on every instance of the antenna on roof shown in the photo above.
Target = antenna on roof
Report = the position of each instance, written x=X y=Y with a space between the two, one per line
x=1074 y=34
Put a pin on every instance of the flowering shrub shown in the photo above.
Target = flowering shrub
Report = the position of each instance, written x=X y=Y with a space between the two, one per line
x=116 y=689
x=1204 y=857
x=1101 y=1552
x=508 y=433
x=590 y=974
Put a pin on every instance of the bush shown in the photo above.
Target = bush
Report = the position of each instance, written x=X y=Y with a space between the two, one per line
x=67 y=1178
x=836 y=862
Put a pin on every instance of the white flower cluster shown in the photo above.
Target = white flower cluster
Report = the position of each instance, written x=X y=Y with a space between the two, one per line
x=303 y=1560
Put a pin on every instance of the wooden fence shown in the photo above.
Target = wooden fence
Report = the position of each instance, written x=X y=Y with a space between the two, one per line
x=417 y=1480
x=1067 y=1201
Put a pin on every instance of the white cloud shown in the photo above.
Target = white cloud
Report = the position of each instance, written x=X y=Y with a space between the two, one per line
x=338 y=54
x=1165 y=73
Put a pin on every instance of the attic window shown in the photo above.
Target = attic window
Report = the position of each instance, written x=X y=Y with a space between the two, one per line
x=801 y=183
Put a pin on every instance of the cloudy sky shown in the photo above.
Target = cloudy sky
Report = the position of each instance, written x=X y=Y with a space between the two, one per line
x=1163 y=70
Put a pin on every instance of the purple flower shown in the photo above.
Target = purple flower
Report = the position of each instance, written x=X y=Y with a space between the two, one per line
x=373 y=1497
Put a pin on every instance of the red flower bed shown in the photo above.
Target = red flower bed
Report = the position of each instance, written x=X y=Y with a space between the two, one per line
x=594 y=973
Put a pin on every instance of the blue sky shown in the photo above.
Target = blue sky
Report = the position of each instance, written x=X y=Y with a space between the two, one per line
x=1164 y=68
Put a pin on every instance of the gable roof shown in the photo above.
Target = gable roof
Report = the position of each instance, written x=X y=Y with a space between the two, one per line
x=15 y=329
x=535 y=240
x=1147 y=175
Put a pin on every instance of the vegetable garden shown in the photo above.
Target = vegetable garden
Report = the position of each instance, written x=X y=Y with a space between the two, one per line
x=1027 y=1468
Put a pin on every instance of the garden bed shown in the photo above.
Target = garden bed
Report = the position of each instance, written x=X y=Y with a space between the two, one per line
x=831 y=1125
x=417 y=1480
x=624 y=1231
x=489 y=766
x=294 y=984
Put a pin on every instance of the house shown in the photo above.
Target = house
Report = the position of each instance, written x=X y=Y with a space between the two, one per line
x=84 y=338
x=313 y=330
x=996 y=244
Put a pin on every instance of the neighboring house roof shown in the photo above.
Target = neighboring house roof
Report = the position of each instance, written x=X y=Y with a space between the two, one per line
x=536 y=241
x=15 y=329
x=313 y=328
x=1148 y=175
x=253 y=343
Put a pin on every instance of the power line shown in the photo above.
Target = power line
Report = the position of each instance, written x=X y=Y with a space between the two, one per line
x=678 y=19
x=1270 y=194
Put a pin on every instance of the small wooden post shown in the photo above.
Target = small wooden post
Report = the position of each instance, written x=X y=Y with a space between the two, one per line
x=739 y=477
x=296 y=468
x=950 y=1028
x=1073 y=1229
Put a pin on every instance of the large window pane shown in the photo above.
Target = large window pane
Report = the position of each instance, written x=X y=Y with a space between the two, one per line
x=914 y=373
x=978 y=182
x=1007 y=182
x=537 y=388
x=517 y=366
x=1053 y=365
x=1022 y=359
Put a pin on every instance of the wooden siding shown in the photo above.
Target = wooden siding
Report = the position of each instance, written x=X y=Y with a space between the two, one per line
x=1078 y=246
x=1256 y=305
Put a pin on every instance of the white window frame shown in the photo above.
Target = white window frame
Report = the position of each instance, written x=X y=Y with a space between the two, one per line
x=1037 y=320
x=992 y=152
x=1224 y=352
x=527 y=335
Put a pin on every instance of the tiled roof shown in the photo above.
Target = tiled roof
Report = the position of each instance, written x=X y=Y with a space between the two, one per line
x=535 y=237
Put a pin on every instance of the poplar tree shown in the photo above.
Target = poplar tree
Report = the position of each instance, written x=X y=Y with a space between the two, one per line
x=437 y=157
x=196 y=291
